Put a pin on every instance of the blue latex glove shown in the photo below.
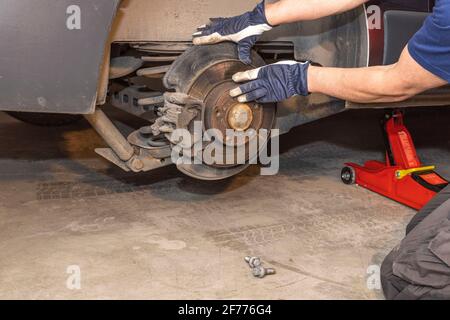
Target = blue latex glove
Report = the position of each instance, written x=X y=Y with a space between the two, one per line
x=272 y=83
x=244 y=30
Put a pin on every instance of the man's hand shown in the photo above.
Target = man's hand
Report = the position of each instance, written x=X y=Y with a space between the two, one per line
x=272 y=83
x=243 y=30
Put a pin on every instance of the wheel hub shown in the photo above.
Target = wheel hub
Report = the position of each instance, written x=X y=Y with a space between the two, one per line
x=222 y=112
x=240 y=117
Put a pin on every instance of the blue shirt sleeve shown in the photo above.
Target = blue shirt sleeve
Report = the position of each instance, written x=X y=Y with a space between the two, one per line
x=430 y=46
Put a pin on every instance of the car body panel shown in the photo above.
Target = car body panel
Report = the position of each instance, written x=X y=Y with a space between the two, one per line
x=170 y=20
x=49 y=63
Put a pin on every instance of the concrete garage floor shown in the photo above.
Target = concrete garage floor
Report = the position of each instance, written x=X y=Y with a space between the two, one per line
x=162 y=235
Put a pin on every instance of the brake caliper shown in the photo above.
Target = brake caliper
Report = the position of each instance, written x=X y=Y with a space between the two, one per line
x=179 y=112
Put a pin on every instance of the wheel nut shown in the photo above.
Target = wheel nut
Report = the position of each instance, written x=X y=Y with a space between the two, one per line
x=253 y=261
x=261 y=272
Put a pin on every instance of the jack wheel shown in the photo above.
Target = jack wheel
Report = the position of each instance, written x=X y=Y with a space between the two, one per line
x=348 y=175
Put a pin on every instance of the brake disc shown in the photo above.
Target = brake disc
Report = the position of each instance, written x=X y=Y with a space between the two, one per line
x=209 y=79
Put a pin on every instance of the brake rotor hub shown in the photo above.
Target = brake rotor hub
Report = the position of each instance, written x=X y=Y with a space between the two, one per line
x=240 y=117
x=209 y=80
x=224 y=113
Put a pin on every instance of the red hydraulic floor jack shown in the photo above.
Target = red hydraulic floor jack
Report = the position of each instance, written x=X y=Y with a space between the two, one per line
x=402 y=177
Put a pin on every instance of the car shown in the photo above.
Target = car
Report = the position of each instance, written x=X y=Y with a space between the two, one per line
x=66 y=59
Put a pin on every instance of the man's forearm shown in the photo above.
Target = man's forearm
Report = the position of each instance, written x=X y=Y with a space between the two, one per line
x=392 y=83
x=286 y=11
x=364 y=85
x=374 y=84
